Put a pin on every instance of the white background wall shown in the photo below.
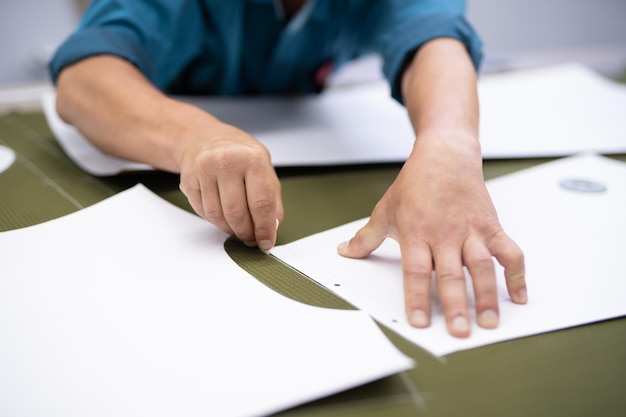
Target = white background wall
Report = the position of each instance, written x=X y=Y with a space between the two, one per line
x=518 y=32
x=29 y=31
x=515 y=32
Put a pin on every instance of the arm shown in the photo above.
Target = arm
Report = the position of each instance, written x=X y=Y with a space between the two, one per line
x=225 y=173
x=438 y=208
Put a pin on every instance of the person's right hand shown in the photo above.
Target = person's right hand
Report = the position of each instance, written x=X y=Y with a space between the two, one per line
x=228 y=177
x=226 y=174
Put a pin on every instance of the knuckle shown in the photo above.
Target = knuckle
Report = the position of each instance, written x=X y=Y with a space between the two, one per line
x=262 y=206
x=417 y=269
x=262 y=230
x=480 y=261
x=496 y=234
x=204 y=158
x=418 y=297
x=517 y=277
x=217 y=160
x=221 y=160
x=235 y=215
x=257 y=154
x=188 y=185
x=213 y=215
x=231 y=159
x=450 y=276
x=261 y=233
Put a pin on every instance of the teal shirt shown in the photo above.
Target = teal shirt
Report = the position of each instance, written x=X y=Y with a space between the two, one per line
x=246 y=47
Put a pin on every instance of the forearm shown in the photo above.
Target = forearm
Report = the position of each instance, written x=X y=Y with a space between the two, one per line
x=439 y=91
x=122 y=114
x=225 y=173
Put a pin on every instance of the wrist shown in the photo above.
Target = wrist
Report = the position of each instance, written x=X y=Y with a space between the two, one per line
x=449 y=152
x=463 y=140
x=187 y=125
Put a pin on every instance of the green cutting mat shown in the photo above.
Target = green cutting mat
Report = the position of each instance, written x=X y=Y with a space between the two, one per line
x=574 y=372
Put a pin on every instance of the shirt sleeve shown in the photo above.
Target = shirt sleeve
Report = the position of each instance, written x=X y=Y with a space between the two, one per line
x=159 y=37
x=405 y=25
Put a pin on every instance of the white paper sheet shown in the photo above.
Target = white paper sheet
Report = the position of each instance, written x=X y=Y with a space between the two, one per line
x=553 y=111
x=352 y=125
x=7 y=157
x=574 y=245
x=80 y=150
x=560 y=110
x=132 y=307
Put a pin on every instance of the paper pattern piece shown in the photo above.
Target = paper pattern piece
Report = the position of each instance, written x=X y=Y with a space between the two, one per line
x=89 y=158
x=7 y=157
x=554 y=111
x=132 y=307
x=350 y=125
x=573 y=241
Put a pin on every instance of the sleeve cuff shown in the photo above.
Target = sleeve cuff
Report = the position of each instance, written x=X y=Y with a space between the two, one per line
x=410 y=35
x=99 y=41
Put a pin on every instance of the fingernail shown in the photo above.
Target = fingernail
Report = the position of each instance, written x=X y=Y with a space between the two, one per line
x=460 y=324
x=343 y=246
x=522 y=296
x=250 y=244
x=488 y=319
x=419 y=318
x=277 y=224
x=265 y=245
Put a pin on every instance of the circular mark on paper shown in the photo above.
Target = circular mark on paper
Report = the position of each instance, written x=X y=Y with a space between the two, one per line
x=585 y=186
x=7 y=156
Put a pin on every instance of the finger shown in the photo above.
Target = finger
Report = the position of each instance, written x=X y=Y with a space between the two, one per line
x=511 y=257
x=479 y=263
x=417 y=269
x=263 y=195
x=364 y=242
x=193 y=196
x=234 y=206
x=212 y=211
x=452 y=291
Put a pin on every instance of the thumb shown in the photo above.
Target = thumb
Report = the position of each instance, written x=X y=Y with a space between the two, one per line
x=366 y=240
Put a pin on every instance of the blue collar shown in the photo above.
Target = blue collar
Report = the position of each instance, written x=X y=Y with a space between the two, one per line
x=312 y=9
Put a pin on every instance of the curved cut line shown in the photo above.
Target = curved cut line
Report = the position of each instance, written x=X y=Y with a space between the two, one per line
x=280 y=278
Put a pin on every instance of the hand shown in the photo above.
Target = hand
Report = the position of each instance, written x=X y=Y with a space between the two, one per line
x=228 y=177
x=439 y=211
x=225 y=173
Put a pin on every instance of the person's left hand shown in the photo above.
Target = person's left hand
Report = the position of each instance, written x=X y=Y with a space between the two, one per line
x=439 y=211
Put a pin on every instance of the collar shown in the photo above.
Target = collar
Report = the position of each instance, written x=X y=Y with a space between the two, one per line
x=278 y=9
x=312 y=9
x=321 y=10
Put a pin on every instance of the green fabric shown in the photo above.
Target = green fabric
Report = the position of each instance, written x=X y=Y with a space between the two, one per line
x=573 y=372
